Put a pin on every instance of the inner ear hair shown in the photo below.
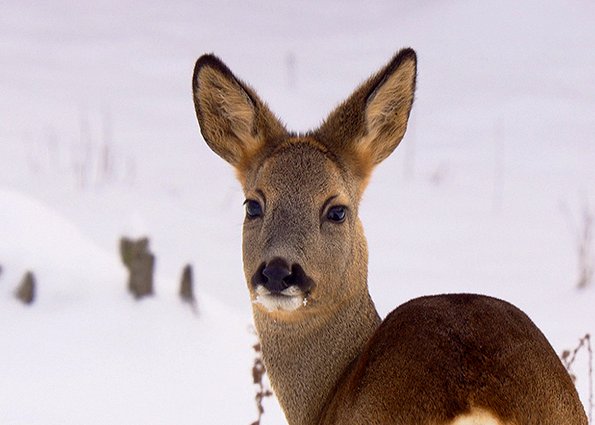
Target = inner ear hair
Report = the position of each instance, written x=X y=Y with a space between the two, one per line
x=393 y=95
x=233 y=102
x=225 y=110
x=369 y=124
x=234 y=122
x=388 y=107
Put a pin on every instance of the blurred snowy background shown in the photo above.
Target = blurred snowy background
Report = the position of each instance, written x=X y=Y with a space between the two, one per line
x=490 y=191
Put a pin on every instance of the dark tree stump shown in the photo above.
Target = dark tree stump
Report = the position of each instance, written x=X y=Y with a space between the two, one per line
x=26 y=289
x=140 y=263
x=187 y=286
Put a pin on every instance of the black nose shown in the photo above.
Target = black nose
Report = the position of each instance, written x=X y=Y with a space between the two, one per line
x=277 y=275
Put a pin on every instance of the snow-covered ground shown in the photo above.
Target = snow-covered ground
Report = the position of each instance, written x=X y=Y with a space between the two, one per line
x=98 y=139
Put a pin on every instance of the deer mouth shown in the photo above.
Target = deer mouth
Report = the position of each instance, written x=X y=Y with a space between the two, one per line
x=290 y=299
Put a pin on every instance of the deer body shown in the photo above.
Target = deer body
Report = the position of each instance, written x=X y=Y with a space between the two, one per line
x=447 y=359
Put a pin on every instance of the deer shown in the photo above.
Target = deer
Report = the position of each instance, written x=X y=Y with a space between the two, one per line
x=439 y=359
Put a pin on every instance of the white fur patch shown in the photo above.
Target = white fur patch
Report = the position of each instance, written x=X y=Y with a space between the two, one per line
x=289 y=299
x=477 y=417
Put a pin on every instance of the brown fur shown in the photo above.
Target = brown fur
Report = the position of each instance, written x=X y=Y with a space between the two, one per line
x=449 y=359
x=431 y=346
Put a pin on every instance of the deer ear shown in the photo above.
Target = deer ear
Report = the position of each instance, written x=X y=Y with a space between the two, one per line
x=388 y=107
x=372 y=121
x=234 y=122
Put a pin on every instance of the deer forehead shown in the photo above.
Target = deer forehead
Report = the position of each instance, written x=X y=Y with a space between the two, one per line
x=300 y=171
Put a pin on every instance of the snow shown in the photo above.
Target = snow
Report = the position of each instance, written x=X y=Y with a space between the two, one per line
x=86 y=352
x=98 y=139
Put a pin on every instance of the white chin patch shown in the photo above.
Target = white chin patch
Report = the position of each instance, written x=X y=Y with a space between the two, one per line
x=289 y=299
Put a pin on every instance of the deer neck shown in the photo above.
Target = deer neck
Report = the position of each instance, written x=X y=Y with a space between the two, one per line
x=306 y=358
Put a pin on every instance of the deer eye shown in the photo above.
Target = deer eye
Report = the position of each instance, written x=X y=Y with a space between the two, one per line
x=337 y=214
x=253 y=209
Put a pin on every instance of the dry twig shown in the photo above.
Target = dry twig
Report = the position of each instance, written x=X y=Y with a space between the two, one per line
x=258 y=373
x=568 y=358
